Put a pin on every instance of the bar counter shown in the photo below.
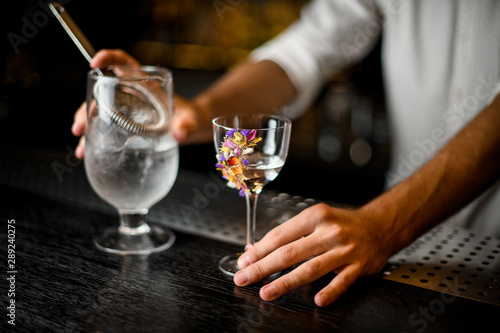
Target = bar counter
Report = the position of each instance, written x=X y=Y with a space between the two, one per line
x=60 y=282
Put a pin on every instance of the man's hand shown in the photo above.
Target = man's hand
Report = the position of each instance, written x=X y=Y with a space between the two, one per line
x=357 y=243
x=323 y=239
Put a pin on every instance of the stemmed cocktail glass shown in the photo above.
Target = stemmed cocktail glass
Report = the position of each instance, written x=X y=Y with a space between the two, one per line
x=251 y=150
x=131 y=156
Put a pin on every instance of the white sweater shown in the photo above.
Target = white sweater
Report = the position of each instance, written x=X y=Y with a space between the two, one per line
x=441 y=67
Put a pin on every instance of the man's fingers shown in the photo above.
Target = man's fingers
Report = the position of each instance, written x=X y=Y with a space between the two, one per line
x=338 y=286
x=289 y=255
x=78 y=129
x=80 y=121
x=105 y=58
x=306 y=273
x=184 y=124
x=299 y=226
x=80 y=149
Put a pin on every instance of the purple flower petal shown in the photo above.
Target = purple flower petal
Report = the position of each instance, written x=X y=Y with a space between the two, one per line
x=245 y=132
x=251 y=135
x=222 y=158
x=219 y=166
x=242 y=193
x=245 y=162
x=230 y=133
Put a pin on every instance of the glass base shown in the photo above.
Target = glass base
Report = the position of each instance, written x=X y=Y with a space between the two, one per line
x=145 y=240
x=229 y=266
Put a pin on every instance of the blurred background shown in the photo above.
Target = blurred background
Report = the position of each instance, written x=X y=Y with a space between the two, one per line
x=340 y=145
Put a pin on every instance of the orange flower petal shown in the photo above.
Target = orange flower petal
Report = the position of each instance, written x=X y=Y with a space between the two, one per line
x=234 y=161
x=237 y=171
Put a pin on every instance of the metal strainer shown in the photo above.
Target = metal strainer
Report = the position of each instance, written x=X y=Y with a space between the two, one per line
x=133 y=106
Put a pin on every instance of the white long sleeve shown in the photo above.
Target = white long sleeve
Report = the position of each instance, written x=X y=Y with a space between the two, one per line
x=441 y=67
x=328 y=36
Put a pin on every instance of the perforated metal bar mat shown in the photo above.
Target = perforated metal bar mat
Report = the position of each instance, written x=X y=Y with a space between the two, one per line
x=451 y=260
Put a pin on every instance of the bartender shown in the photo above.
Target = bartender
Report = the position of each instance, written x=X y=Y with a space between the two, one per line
x=441 y=66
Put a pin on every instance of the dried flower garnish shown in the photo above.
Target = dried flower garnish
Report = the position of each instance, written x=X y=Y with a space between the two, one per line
x=232 y=158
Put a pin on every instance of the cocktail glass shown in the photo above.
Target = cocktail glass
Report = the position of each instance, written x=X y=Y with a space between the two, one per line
x=251 y=151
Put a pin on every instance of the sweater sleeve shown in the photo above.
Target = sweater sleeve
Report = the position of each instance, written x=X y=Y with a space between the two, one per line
x=329 y=35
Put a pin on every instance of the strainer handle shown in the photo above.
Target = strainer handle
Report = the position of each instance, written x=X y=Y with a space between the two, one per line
x=73 y=31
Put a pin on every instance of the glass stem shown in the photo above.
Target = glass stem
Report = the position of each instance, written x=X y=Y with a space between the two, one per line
x=133 y=222
x=251 y=200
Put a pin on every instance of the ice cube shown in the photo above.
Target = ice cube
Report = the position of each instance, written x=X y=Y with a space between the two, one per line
x=134 y=164
x=103 y=125
x=144 y=115
x=140 y=143
x=114 y=140
x=166 y=142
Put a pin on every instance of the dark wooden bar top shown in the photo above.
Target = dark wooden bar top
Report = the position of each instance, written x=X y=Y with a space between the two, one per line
x=63 y=283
